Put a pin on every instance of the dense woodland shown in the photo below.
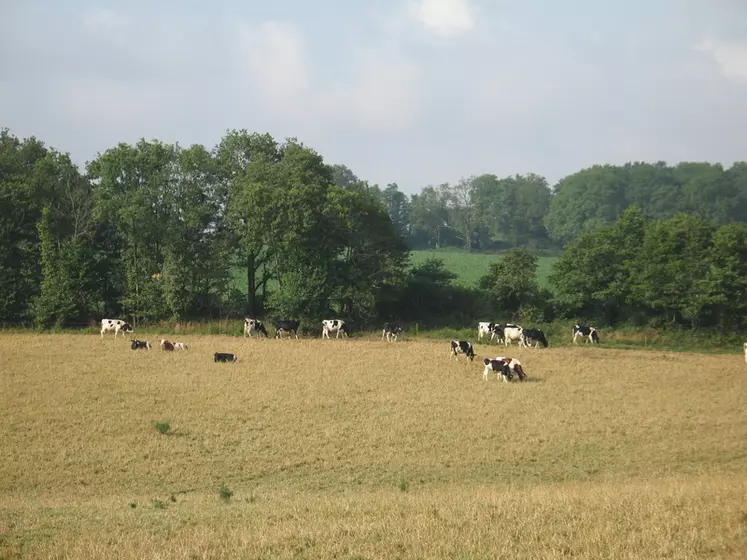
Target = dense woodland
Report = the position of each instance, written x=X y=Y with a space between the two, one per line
x=154 y=231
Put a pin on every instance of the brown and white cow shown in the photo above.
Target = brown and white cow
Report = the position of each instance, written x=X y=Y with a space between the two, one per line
x=504 y=367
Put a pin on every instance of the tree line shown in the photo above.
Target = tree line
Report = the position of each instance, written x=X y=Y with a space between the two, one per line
x=486 y=212
x=678 y=272
x=154 y=231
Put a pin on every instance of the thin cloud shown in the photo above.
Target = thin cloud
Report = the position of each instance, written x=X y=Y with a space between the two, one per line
x=729 y=56
x=444 y=17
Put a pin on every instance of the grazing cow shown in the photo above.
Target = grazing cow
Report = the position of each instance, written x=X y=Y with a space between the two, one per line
x=166 y=346
x=484 y=328
x=514 y=366
x=287 y=326
x=497 y=332
x=252 y=326
x=499 y=366
x=391 y=332
x=116 y=325
x=224 y=357
x=140 y=344
x=745 y=351
x=536 y=336
x=180 y=346
x=461 y=347
x=334 y=325
x=513 y=332
x=494 y=329
x=590 y=333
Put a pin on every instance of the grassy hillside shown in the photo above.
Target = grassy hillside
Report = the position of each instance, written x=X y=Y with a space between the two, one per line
x=472 y=266
x=469 y=267
x=363 y=449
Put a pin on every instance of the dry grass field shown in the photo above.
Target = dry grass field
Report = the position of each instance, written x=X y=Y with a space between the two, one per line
x=362 y=449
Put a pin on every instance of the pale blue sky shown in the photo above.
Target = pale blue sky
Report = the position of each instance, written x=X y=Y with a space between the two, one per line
x=412 y=91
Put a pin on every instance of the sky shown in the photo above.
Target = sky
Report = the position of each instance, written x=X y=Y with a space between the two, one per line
x=413 y=92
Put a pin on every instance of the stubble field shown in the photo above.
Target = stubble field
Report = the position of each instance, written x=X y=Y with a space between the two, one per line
x=363 y=449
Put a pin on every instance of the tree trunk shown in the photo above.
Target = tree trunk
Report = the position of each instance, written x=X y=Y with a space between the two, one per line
x=251 y=283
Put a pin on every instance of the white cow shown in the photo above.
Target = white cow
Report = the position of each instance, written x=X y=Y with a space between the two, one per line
x=334 y=325
x=513 y=332
x=116 y=325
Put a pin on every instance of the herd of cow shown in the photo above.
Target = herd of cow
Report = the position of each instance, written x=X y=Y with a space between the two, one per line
x=505 y=367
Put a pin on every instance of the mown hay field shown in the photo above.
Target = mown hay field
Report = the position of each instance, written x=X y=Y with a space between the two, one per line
x=363 y=449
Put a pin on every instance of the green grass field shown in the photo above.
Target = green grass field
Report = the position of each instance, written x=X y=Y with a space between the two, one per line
x=470 y=267
x=359 y=449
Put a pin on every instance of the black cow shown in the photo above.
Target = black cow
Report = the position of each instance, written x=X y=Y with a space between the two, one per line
x=461 y=347
x=288 y=326
x=140 y=345
x=534 y=335
x=224 y=357
x=391 y=332
x=590 y=333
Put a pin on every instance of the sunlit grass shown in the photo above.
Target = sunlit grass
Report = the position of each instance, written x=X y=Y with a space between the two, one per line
x=470 y=267
x=360 y=448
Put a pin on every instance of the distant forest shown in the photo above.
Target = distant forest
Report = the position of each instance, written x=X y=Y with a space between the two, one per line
x=485 y=212
x=157 y=232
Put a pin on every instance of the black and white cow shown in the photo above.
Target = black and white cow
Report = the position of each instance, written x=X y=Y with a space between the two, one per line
x=252 y=326
x=336 y=326
x=535 y=336
x=589 y=333
x=513 y=332
x=180 y=346
x=286 y=326
x=461 y=347
x=500 y=367
x=498 y=333
x=391 y=332
x=140 y=345
x=484 y=328
x=495 y=330
x=116 y=325
x=224 y=357
x=513 y=365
